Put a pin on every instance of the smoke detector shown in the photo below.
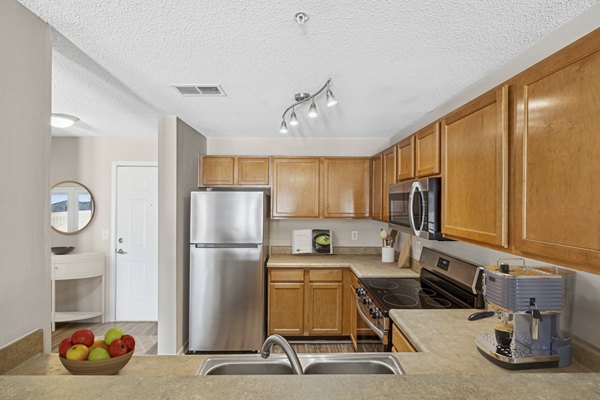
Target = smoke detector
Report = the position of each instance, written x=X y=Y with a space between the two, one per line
x=301 y=17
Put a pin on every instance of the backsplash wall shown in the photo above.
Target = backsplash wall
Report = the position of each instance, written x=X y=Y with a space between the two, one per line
x=368 y=231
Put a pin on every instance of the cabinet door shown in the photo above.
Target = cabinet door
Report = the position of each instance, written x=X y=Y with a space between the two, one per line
x=217 y=170
x=253 y=171
x=324 y=308
x=557 y=151
x=389 y=177
x=427 y=151
x=475 y=148
x=295 y=187
x=376 y=186
x=286 y=308
x=400 y=342
x=346 y=187
x=406 y=159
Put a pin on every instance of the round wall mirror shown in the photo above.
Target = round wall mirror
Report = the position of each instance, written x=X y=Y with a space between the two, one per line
x=71 y=207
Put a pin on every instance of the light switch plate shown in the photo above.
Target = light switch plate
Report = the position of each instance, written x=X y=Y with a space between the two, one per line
x=105 y=234
x=354 y=235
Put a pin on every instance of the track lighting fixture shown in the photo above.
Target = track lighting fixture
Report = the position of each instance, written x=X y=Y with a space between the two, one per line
x=312 y=110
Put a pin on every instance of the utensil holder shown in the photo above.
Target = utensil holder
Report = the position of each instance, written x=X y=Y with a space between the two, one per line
x=387 y=254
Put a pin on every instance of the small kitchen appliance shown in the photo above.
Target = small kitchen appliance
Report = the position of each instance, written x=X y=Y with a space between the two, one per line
x=445 y=282
x=312 y=241
x=418 y=205
x=534 y=305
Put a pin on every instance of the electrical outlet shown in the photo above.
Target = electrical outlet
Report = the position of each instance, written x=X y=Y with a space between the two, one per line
x=354 y=235
x=105 y=234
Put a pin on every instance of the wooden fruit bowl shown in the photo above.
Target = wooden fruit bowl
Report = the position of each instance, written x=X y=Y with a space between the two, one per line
x=97 y=367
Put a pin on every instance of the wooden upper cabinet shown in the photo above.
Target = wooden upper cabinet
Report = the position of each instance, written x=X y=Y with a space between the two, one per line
x=475 y=170
x=217 y=170
x=231 y=171
x=346 y=183
x=557 y=151
x=252 y=171
x=388 y=178
x=295 y=187
x=405 y=151
x=376 y=186
x=427 y=151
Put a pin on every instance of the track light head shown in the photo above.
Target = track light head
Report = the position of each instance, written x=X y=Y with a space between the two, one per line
x=293 y=118
x=284 y=128
x=312 y=111
x=331 y=100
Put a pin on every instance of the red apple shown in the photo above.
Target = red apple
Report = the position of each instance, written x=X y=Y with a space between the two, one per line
x=117 y=348
x=129 y=341
x=83 y=336
x=64 y=345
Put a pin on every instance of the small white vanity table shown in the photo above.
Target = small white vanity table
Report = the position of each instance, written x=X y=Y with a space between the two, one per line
x=77 y=266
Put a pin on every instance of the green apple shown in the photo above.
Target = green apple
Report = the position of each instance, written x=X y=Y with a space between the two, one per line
x=78 y=352
x=113 y=334
x=98 y=354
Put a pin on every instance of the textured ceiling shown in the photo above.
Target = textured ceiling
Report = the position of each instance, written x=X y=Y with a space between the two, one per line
x=391 y=61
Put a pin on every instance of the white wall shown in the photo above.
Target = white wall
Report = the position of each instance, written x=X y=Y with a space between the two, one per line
x=89 y=160
x=25 y=101
x=290 y=146
x=179 y=149
x=586 y=313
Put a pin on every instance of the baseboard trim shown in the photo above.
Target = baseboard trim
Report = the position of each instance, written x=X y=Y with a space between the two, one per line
x=21 y=349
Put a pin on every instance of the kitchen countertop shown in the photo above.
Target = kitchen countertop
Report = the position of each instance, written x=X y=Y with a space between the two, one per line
x=448 y=367
x=363 y=266
x=445 y=343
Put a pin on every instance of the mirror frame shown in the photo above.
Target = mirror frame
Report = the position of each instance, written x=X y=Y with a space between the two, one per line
x=93 y=208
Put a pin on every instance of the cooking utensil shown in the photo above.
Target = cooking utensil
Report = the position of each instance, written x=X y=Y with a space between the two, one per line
x=383 y=235
x=393 y=235
x=481 y=315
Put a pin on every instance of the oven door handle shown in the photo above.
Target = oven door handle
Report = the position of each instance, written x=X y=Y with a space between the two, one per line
x=371 y=325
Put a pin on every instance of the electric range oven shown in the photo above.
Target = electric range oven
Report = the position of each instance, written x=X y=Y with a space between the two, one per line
x=445 y=282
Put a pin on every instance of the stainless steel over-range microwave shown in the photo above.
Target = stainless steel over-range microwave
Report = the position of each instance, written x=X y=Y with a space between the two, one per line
x=417 y=205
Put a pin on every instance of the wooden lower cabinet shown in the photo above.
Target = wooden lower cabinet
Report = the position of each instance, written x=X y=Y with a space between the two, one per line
x=400 y=344
x=307 y=302
x=286 y=308
x=324 y=308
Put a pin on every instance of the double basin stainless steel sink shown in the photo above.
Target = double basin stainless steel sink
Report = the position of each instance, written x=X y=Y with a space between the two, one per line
x=312 y=364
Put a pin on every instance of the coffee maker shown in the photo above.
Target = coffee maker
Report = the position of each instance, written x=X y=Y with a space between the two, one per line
x=534 y=306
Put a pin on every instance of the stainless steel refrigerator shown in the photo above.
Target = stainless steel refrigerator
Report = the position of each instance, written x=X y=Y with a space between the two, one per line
x=228 y=254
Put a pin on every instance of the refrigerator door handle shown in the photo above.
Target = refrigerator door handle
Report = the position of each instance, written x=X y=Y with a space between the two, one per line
x=226 y=246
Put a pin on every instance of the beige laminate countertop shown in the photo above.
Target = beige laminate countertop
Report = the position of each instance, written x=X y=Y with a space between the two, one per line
x=448 y=367
x=445 y=344
x=363 y=266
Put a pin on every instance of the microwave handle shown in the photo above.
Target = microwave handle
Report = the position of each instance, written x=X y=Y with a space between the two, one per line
x=411 y=199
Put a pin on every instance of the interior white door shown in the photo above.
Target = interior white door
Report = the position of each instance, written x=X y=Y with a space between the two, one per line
x=137 y=244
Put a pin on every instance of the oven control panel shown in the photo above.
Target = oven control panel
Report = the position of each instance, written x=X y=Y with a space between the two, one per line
x=370 y=312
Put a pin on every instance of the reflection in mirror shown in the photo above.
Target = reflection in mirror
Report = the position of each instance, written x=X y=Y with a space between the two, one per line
x=71 y=207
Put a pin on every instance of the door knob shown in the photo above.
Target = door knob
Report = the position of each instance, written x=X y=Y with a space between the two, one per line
x=121 y=251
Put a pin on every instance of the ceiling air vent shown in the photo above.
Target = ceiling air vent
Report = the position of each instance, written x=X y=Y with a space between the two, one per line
x=200 y=90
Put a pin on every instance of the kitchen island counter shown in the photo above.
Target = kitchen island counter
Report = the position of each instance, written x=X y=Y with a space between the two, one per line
x=445 y=343
x=448 y=386
x=363 y=266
